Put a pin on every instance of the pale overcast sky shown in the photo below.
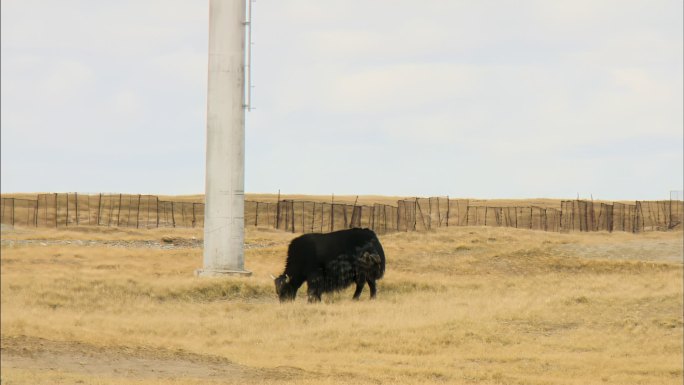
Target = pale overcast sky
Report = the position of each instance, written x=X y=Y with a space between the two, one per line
x=480 y=99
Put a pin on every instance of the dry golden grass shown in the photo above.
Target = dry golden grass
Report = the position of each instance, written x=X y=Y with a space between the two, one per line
x=460 y=305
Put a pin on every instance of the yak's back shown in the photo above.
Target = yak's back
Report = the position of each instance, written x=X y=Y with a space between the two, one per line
x=322 y=248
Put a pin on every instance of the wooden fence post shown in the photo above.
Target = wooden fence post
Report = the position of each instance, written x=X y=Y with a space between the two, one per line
x=268 y=213
x=458 y=213
x=399 y=215
x=572 y=215
x=76 y=197
x=118 y=212
x=88 y=209
x=426 y=225
x=344 y=211
x=277 y=218
x=128 y=217
x=111 y=210
x=99 y=209
x=147 y=221
x=46 y=210
x=332 y=216
x=137 y=216
x=284 y=216
x=173 y=214
x=256 y=217
x=182 y=205
x=530 y=218
x=384 y=216
x=610 y=218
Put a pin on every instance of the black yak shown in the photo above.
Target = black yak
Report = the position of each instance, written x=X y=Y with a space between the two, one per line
x=330 y=262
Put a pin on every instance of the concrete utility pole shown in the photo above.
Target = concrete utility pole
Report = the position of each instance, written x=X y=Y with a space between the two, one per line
x=224 y=231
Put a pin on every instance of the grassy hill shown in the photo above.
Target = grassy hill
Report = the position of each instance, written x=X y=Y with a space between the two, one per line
x=476 y=305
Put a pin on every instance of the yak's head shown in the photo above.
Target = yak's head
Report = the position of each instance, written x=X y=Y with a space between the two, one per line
x=284 y=288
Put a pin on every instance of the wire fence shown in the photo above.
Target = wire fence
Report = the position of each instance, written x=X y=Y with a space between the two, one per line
x=117 y=210
x=308 y=217
x=419 y=214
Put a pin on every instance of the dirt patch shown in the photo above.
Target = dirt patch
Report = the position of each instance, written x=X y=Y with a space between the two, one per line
x=31 y=353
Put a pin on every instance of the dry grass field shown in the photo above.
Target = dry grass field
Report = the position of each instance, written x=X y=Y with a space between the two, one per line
x=466 y=305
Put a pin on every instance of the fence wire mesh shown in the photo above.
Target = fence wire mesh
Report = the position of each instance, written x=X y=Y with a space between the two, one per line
x=419 y=214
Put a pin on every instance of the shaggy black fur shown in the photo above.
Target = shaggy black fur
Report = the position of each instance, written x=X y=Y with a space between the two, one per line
x=330 y=262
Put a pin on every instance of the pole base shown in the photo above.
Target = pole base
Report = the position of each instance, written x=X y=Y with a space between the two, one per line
x=221 y=273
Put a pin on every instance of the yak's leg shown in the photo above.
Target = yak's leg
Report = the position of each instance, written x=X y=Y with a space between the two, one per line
x=373 y=288
x=296 y=284
x=314 y=294
x=360 y=281
x=314 y=288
